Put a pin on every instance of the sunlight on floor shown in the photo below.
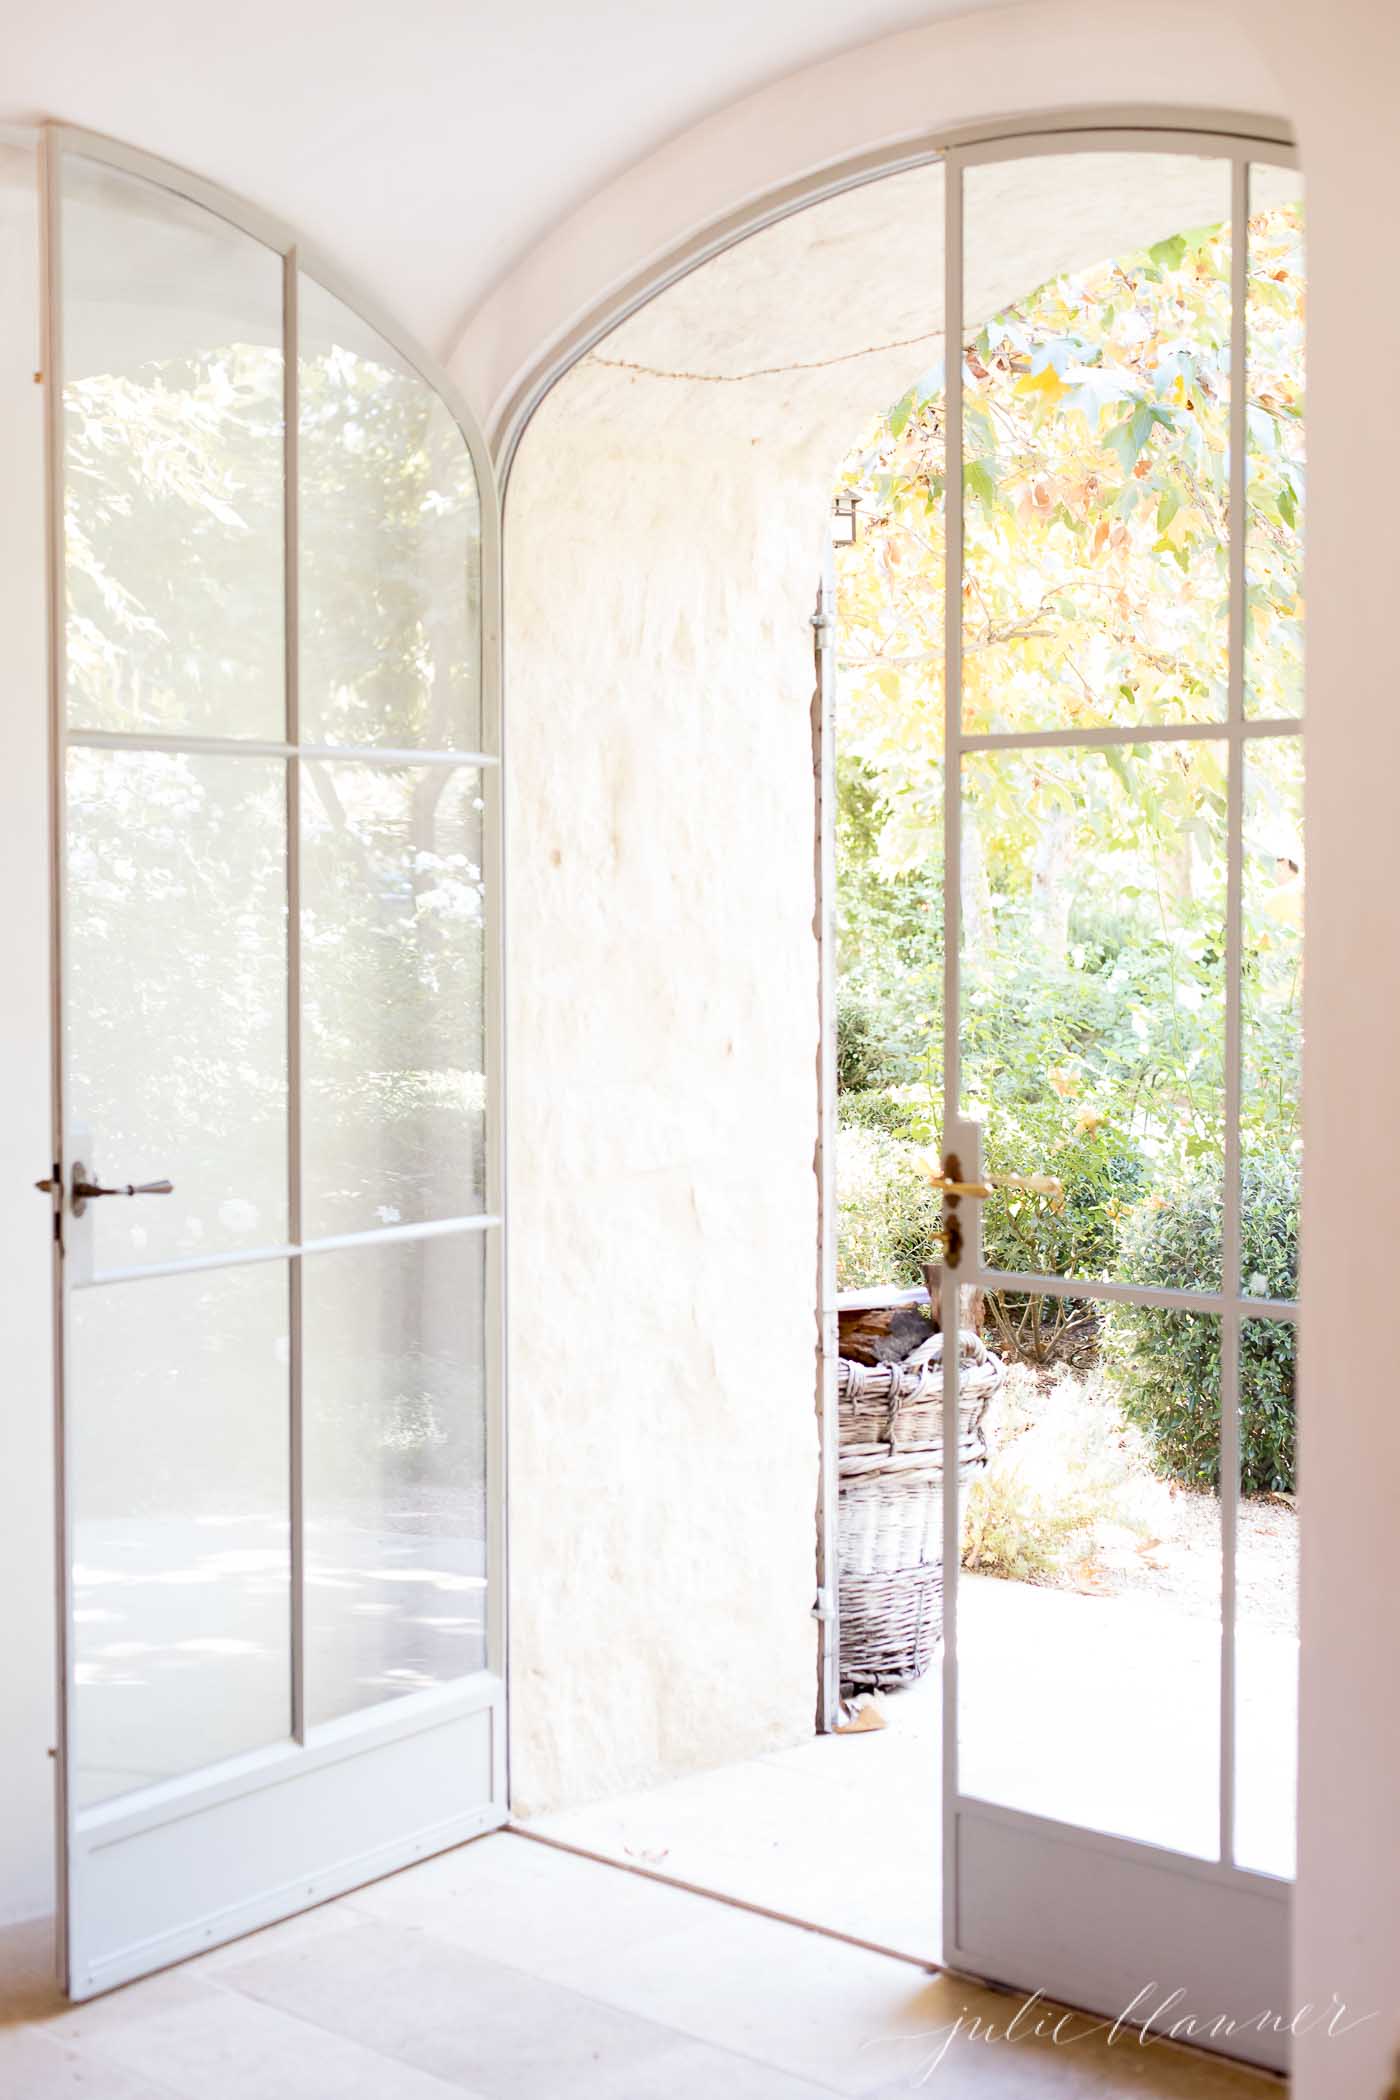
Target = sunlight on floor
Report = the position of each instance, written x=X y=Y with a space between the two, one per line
x=509 y=1970
x=1072 y=1709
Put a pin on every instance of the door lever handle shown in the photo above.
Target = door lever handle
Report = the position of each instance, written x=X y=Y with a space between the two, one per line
x=83 y=1190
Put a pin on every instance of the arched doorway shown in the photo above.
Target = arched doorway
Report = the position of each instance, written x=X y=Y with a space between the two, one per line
x=694 y=448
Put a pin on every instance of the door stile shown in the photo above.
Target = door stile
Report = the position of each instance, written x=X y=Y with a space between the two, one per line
x=952 y=933
x=52 y=370
x=493 y=776
x=291 y=602
x=1234 y=966
x=827 y=1610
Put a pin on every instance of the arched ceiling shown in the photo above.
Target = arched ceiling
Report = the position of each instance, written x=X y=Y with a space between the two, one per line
x=425 y=147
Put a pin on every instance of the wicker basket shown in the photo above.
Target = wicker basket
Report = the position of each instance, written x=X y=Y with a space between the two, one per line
x=890 y=1627
x=891 y=1506
x=896 y=1407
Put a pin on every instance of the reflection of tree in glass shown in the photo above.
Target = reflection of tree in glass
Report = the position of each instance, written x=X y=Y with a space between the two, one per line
x=389 y=559
x=176 y=993
x=173 y=542
x=175 y=566
x=392 y=977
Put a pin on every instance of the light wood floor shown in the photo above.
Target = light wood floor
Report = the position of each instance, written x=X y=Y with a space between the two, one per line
x=508 y=1970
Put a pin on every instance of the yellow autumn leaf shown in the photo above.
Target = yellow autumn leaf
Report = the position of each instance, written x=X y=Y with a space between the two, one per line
x=1188 y=519
x=1066 y=1084
x=1047 y=386
x=1087 y=1122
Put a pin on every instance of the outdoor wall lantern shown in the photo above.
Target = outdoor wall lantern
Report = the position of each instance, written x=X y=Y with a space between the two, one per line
x=845 y=510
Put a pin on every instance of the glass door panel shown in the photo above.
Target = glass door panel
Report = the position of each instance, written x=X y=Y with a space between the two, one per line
x=181 y=1523
x=390 y=570
x=1096 y=382
x=176 y=960
x=172 y=463
x=393 y=950
x=1089 y=1604
x=1093 y=1006
x=1266 y=1602
x=1271 y=1018
x=395 y=1470
x=1276 y=452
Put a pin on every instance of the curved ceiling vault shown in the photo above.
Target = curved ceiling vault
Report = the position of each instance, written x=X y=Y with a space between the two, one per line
x=489 y=173
x=424 y=147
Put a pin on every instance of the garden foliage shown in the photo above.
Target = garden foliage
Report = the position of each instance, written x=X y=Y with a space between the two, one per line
x=1093 y=897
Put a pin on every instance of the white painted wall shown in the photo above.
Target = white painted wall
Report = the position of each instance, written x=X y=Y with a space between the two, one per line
x=26 y=1468
x=1341 y=71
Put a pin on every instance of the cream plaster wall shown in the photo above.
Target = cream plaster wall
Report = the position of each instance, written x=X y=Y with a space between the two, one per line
x=664 y=539
x=663 y=1038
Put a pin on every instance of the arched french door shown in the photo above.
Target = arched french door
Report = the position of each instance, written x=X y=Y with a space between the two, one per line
x=1118 y=1815
x=276 y=1176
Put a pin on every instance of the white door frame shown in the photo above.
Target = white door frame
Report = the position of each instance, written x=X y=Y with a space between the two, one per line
x=1220 y=1932
x=418 y=1749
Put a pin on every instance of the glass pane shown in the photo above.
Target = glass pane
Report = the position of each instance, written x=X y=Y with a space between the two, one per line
x=1276 y=451
x=1266 y=1615
x=392 y=961
x=1095 y=433
x=177 y=1000
x=181 y=1531
x=172 y=461
x=889 y=843
x=1271 y=1134
x=395 y=1469
x=390 y=545
x=1089 y=1602
x=1093 y=1006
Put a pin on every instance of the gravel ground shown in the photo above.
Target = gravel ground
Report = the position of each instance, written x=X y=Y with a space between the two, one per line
x=1183 y=1564
x=1152 y=1538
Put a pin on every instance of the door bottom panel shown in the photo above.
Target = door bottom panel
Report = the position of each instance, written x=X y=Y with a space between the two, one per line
x=1124 y=1931
x=312 y=1823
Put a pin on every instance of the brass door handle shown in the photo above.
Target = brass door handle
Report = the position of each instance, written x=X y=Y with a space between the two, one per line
x=83 y=1191
x=950 y=1187
x=1034 y=1184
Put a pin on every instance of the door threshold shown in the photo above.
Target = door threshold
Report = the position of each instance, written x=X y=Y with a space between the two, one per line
x=928 y=1967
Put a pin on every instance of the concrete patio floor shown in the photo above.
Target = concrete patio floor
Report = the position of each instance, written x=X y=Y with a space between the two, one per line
x=1102 y=1711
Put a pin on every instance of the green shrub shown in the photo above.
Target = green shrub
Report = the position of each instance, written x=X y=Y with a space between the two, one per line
x=1165 y=1365
x=886 y=1212
x=877 y=1108
x=862 y=1060
x=1075 y=1234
